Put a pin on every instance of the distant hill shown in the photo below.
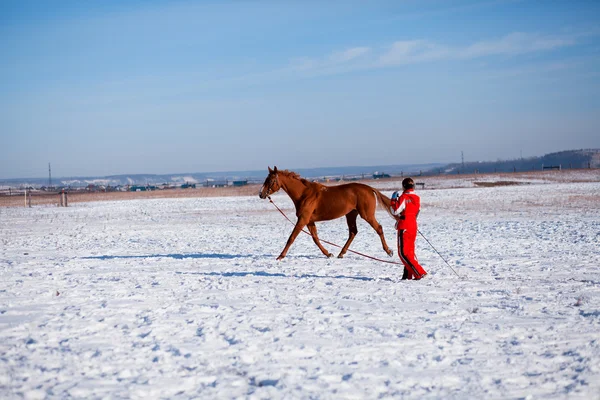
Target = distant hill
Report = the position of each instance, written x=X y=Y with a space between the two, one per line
x=566 y=159
x=256 y=176
x=586 y=158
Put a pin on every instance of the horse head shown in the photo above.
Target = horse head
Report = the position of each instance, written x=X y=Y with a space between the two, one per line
x=271 y=184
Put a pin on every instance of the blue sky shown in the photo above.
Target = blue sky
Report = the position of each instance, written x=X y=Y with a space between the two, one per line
x=117 y=87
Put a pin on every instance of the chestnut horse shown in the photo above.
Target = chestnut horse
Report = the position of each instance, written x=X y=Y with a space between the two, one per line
x=316 y=202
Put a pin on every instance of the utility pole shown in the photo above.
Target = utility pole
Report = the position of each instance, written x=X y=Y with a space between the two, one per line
x=462 y=157
x=49 y=176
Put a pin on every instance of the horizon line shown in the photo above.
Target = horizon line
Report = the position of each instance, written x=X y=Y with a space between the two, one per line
x=412 y=165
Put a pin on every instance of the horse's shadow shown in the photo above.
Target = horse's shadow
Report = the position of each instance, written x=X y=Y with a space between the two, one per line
x=176 y=256
x=235 y=274
x=179 y=256
x=263 y=274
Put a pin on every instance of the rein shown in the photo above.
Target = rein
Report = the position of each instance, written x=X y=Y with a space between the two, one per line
x=332 y=244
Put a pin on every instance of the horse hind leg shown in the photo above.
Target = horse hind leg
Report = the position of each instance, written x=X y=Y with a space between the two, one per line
x=379 y=229
x=352 y=231
x=313 y=232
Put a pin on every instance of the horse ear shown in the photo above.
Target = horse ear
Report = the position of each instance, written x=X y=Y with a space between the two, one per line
x=270 y=170
x=275 y=169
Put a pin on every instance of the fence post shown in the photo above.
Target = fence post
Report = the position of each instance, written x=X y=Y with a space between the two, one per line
x=66 y=199
x=27 y=198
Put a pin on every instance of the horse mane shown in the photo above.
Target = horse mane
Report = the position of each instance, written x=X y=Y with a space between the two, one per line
x=305 y=182
x=290 y=174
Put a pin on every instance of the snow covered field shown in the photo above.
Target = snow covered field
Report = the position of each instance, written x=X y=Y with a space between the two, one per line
x=183 y=298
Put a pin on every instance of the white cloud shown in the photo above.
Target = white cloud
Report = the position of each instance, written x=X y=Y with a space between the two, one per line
x=335 y=59
x=515 y=44
x=348 y=55
x=304 y=64
x=418 y=51
x=411 y=51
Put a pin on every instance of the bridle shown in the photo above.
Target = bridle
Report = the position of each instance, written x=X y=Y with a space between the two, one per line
x=270 y=188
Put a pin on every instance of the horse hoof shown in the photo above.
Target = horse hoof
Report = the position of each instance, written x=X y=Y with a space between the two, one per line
x=390 y=253
x=341 y=256
x=329 y=255
x=280 y=258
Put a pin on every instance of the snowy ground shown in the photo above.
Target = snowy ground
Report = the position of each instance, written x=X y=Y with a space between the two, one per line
x=183 y=298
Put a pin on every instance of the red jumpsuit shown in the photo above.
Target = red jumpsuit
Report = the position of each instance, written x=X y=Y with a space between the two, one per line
x=406 y=208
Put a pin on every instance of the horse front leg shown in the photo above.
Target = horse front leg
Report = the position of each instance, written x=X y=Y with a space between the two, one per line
x=297 y=229
x=313 y=232
x=352 y=231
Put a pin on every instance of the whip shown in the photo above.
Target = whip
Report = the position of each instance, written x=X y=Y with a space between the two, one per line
x=438 y=253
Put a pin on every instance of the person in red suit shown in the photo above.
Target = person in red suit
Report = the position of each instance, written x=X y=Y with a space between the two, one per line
x=405 y=207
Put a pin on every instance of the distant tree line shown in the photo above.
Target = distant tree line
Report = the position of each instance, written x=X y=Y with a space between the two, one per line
x=589 y=158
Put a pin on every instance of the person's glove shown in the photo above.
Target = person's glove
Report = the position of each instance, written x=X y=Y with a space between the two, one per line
x=395 y=198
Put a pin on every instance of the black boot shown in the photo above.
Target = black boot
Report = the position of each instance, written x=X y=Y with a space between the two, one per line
x=405 y=274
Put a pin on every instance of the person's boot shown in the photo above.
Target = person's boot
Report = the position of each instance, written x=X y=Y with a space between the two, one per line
x=405 y=275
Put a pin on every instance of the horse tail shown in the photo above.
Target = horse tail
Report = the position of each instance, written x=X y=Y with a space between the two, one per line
x=384 y=201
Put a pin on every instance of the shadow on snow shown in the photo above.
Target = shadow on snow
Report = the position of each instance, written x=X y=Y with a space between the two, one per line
x=179 y=256
x=175 y=256
x=280 y=275
x=238 y=274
